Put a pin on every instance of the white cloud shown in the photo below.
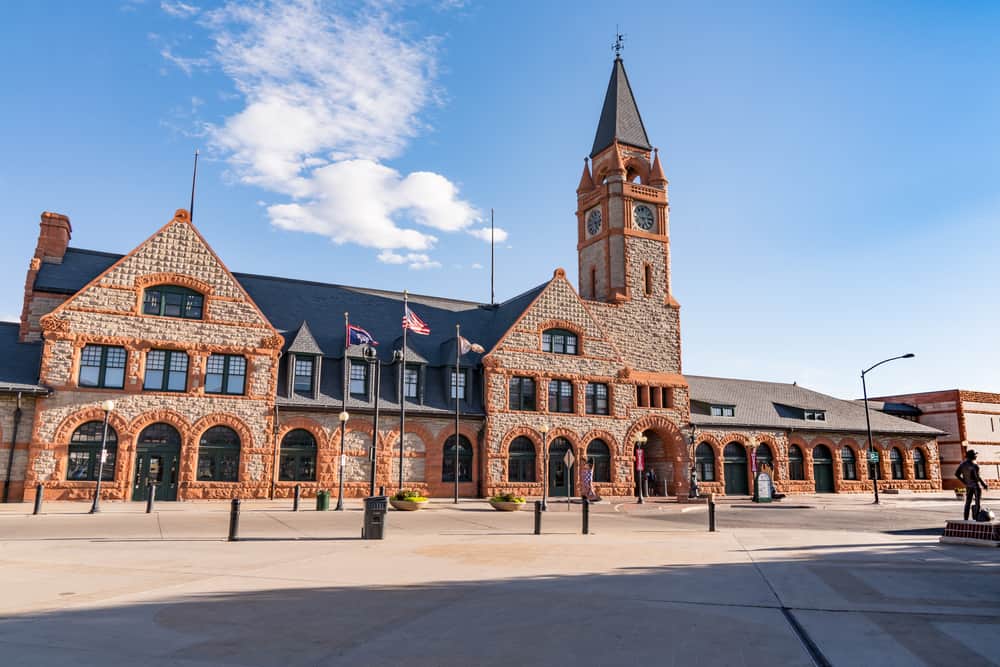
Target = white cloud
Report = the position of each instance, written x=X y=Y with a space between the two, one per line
x=483 y=234
x=179 y=9
x=476 y=265
x=327 y=99
x=186 y=65
x=413 y=259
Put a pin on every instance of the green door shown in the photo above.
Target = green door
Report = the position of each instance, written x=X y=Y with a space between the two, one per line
x=560 y=479
x=823 y=469
x=735 y=466
x=157 y=459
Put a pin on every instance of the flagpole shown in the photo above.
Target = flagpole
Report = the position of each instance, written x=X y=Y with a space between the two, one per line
x=343 y=411
x=458 y=362
x=402 y=390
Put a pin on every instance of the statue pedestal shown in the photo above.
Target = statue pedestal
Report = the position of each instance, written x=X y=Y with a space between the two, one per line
x=972 y=533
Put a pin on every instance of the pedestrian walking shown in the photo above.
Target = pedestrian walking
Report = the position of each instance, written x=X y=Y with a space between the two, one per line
x=588 y=481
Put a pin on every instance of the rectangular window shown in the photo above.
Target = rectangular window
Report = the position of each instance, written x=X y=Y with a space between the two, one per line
x=815 y=415
x=597 y=399
x=723 y=411
x=303 y=375
x=166 y=370
x=172 y=301
x=359 y=378
x=225 y=374
x=560 y=396
x=102 y=366
x=458 y=385
x=559 y=342
x=521 y=392
x=411 y=382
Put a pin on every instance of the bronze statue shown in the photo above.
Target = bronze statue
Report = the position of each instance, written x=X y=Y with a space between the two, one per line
x=968 y=474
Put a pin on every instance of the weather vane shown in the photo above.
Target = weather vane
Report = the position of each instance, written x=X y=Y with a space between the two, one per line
x=619 y=43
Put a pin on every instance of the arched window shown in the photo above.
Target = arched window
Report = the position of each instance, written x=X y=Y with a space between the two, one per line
x=464 y=460
x=919 y=465
x=647 y=279
x=298 y=457
x=159 y=434
x=173 y=301
x=796 y=470
x=219 y=455
x=848 y=463
x=600 y=457
x=765 y=459
x=559 y=341
x=85 y=453
x=521 y=460
x=704 y=460
x=896 y=463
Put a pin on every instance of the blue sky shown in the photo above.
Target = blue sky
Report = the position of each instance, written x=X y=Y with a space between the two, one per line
x=833 y=168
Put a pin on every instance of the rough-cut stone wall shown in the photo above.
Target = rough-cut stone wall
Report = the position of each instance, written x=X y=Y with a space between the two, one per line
x=108 y=312
x=599 y=361
x=16 y=472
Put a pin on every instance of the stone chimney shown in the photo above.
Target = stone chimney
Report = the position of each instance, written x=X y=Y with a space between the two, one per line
x=53 y=238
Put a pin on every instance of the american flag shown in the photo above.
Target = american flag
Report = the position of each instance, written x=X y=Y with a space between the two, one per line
x=414 y=323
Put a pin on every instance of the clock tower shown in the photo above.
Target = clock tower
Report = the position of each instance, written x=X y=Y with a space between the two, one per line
x=623 y=230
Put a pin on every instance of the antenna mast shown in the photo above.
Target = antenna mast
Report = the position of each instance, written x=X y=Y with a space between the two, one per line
x=194 y=178
x=493 y=299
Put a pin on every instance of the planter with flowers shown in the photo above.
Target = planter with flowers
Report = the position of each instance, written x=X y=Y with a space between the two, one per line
x=507 y=502
x=407 y=501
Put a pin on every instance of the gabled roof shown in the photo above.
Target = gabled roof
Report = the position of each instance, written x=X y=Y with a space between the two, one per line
x=288 y=303
x=762 y=404
x=303 y=341
x=620 y=119
x=19 y=362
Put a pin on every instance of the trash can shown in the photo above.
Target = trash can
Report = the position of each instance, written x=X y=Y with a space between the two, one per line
x=322 y=501
x=375 y=510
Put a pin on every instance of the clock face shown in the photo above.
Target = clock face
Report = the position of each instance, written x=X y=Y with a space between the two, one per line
x=594 y=221
x=643 y=217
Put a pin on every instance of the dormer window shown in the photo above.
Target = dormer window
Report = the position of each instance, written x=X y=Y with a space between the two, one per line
x=723 y=411
x=173 y=301
x=559 y=341
x=815 y=415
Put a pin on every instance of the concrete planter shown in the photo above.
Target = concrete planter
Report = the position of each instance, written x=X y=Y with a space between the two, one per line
x=502 y=506
x=407 y=505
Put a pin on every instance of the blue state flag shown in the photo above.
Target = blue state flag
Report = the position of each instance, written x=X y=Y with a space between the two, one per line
x=358 y=336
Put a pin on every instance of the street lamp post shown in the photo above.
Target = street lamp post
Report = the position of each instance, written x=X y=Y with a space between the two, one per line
x=544 y=429
x=640 y=440
x=107 y=406
x=372 y=357
x=693 y=486
x=343 y=417
x=868 y=421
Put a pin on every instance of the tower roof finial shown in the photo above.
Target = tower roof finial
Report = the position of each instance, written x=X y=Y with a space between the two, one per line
x=619 y=43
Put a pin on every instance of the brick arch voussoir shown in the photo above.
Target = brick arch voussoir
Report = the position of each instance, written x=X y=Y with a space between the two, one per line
x=470 y=431
x=314 y=428
x=392 y=438
x=171 y=278
x=655 y=423
x=92 y=414
x=712 y=441
x=223 y=419
x=639 y=166
x=597 y=434
x=733 y=436
x=512 y=434
x=146 y=419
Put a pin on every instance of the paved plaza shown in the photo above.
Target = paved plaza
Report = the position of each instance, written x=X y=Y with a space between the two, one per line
x=811 y=580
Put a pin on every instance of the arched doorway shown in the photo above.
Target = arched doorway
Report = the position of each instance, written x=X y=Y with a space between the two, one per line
x=157 y=454
x=560 y=477
x=735 y=466
x=823 y=469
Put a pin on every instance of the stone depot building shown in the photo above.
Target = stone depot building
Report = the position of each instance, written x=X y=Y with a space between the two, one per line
x=230 y=384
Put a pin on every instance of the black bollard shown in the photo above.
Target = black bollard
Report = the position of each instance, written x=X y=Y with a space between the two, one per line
x=295 y=499
x=711 y=512
x=586 y=516
x=381 y=490
x=150 y=496
x=234 y=521
x=538 y=517
x=39 y=491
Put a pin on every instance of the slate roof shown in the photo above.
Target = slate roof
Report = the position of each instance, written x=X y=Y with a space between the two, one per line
x=620 y=117
x=19 y=362
x=777 y=405
x=289 y=303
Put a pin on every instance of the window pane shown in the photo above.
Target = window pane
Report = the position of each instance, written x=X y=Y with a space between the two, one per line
x=151 y=302
x=89 y=376
x=570 y=344
x=177 y=381
x=565 y=397
x=410 y=382
x=303 y=375
x=216 y=364
x=235 y=385
x=114 y=377
x=192 y=306
x=358 y=384
x=461 y=384
x=172 y=303
x=558 y=343
x=154 y=380
x=546 y=342
x=237 y=365
x=78 y=467
x=213 y=383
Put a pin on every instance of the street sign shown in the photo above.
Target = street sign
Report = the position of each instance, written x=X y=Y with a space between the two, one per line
x=873 y=456
x=640 y=460
x=569 y=458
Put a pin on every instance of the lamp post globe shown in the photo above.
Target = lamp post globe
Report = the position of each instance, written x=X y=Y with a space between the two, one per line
x=107 y=405
x=343 y=417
